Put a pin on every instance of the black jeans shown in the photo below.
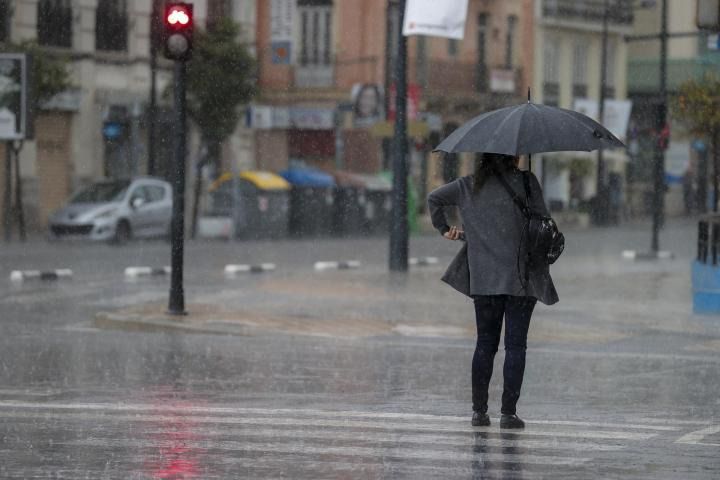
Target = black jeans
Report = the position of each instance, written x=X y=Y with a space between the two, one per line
x=489 y=312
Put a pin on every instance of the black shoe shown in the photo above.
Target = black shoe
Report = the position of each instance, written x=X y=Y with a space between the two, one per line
x=511 y=421
x=480 y=419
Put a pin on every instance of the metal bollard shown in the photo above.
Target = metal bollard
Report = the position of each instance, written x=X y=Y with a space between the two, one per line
x=702 y=242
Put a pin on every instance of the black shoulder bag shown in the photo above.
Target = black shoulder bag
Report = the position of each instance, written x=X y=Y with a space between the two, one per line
x=545 y=242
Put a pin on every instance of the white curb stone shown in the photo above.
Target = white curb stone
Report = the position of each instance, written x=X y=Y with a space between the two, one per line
x=22 y=275
x=263 y=267
x=350 y=264
x=134 y=272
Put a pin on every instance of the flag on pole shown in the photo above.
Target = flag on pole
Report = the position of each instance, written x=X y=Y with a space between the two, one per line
x=444 y=18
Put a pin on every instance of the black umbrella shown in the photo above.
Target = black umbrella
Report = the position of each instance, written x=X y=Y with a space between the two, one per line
x=529 y=128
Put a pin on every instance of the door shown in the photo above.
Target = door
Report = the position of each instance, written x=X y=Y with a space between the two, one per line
x=140 y=216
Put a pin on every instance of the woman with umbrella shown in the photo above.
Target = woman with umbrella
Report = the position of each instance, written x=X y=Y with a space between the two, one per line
x=489 y=267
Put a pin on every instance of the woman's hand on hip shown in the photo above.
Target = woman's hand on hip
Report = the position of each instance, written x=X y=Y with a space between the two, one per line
x=454 y=233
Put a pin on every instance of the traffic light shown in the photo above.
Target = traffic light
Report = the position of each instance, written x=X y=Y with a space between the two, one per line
x=178 y=31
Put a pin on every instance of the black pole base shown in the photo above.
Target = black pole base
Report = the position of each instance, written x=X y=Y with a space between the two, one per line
x=176 y=305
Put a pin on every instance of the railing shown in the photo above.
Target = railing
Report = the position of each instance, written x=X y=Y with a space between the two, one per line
x=619 y=12
x=453 y=77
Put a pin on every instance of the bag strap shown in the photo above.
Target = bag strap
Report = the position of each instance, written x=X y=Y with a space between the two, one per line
x=524 y=207
x=526 y=182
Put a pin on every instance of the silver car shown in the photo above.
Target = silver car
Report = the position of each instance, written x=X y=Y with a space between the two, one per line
x=116 y=210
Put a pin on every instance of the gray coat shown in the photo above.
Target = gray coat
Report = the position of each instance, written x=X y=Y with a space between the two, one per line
x=493 y=227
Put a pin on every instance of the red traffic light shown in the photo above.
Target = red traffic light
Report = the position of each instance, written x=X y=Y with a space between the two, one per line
x=178 y=16
x=178 y=31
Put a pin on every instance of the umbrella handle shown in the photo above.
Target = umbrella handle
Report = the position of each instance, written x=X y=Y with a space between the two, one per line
x=528 y=94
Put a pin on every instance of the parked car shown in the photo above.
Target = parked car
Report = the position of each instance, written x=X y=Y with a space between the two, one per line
x=116 y=210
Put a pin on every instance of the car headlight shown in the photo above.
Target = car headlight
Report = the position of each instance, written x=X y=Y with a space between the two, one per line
x=105 y=214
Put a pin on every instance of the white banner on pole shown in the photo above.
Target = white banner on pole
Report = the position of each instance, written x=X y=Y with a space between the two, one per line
x=444 y=18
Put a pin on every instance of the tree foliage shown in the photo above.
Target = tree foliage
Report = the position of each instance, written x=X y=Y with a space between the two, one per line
x=220 y=77
x=697 y=105
x=50 y=73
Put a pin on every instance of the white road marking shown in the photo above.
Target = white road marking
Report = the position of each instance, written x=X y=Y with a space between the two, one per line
x=315 y=422
x=695 y=438
x=193 y=409
x=353 y=451
x=391 y=438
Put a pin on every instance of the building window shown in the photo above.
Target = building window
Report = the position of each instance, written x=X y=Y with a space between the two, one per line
x=610 y=69
x=111 y=24
x=551 y=74
x=315 y=32
x=452 y=47
x=510 y=40
x=483 y=74
x=4 y=20
x=216 y=10
x=422 y=67
x=54 y=23
x=580 y=64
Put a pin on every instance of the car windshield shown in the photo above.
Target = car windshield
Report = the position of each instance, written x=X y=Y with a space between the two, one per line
x=101 y=192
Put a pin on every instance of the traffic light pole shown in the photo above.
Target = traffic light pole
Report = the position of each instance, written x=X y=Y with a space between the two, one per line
x=661 y=121
x=176 y=304
x=399 y=230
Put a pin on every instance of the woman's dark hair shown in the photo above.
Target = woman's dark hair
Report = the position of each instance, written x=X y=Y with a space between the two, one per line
x=491 y=164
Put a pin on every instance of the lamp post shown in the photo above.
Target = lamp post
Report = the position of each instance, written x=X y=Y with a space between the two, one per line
x=399 y=229
x=661 y=121
x=601 y=188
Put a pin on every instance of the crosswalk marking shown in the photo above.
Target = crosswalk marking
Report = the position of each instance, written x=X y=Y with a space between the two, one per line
x=355 y=451
x=696 y=437
x=188 y=409
x=394 y=437
x=328 y=443
x=367 y=424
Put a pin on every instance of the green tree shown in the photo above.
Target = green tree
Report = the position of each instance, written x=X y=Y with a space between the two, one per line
x=697 y=105
x=50 y=74
x=220 y=77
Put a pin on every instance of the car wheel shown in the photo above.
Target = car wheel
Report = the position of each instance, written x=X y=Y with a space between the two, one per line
x=122 y=233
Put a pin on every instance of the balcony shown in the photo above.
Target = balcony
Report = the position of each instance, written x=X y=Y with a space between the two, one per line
x=589 y=11
x=442 y=77
x=314 y=76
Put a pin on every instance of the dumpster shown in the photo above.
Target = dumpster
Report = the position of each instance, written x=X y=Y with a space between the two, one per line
x=258 y=204
x=412 y=201
x=312 y=201
x=350 y=202
x=378 y=205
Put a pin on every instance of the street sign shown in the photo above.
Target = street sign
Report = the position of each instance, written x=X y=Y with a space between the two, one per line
x=15 y=103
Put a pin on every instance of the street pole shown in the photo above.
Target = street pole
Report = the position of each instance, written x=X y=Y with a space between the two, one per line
x=19 y=209
x=7 y=197
x=602 y=194
x=155 y=28
x=661 y=120
x=399 y=228
x=176 y=304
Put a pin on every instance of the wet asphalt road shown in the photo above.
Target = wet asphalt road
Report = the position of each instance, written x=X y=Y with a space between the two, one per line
x=80 y=402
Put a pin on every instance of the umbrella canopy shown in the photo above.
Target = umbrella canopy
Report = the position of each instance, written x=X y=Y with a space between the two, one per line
x=529 y=128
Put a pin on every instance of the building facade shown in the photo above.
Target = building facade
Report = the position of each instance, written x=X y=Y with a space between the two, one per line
x=568 y=53
x=326 y=77
x=99 y=127
x=690 y=56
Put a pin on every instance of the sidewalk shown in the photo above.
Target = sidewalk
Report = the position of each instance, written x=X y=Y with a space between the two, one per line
x=603 y=299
